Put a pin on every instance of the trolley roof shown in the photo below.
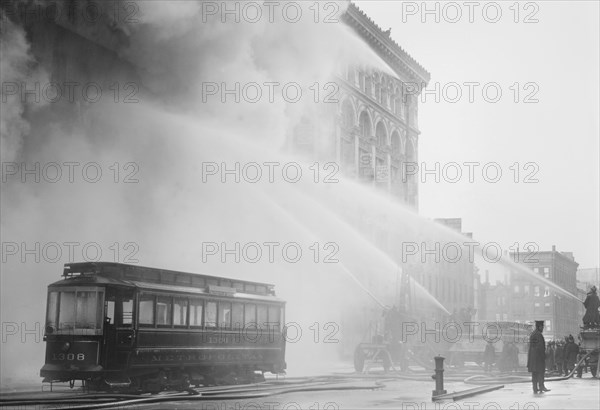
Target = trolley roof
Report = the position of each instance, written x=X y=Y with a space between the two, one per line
x=120 y=274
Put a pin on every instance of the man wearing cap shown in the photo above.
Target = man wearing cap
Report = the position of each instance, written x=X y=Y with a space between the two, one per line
x=571 y=352
x=536 y=359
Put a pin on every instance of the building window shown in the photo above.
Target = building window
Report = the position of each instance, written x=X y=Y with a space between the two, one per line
x=497 y=317
x=546 y=291
x=546 y=307
x=505 y=317
x=546 y=270
x=516 y=288
x=526 y=289
x=536 y=270
x=536 y=307
x=536 y=291
x=548 y=325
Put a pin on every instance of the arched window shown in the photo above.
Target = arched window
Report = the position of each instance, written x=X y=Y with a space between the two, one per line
x=381 y=134
x=364 y=123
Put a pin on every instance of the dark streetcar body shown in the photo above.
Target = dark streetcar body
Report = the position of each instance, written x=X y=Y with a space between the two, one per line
x=114 y=326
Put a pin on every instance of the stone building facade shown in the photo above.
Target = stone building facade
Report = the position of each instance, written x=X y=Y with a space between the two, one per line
x=377 y=121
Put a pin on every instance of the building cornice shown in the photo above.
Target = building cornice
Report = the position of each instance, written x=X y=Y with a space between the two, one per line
x=398 y=59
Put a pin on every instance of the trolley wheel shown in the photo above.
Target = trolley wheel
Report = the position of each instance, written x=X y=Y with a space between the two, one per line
x=359 y=359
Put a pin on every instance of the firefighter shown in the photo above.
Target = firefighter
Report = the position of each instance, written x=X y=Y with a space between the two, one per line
x=571 y=352
x=592 y=303
x=489 y=355
x=536 y=359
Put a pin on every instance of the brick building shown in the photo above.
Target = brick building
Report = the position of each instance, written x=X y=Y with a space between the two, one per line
x=524 y=299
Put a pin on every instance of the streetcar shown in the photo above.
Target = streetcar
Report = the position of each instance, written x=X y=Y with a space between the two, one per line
x=117 y=326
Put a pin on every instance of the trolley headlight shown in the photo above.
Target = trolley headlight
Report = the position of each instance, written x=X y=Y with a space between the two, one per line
x=66 y=347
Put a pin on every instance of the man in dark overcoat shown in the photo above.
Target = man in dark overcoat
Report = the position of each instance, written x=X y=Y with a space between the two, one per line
x=489 y=356
x=571 y=352
x=536 y=359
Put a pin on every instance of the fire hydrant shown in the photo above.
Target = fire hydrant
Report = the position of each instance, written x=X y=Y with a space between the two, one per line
x=438 y=376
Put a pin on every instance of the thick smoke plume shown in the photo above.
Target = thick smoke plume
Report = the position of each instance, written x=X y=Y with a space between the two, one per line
x=168 y=212
x=16 y=66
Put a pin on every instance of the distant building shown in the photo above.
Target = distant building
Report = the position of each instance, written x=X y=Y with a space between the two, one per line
x=532 y=300
x=451 y=282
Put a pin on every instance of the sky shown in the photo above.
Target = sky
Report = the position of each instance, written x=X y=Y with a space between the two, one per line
x=548 y=129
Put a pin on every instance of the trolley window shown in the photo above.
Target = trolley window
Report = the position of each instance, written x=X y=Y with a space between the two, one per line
x=126 y=311
x=75 y=311
x=274 y=317
x=110 y=310
x=250 y=315
x=88 y=310
x=224 y=315
x=210 y=315
x=163 y=311
x=52 y=309
x=261 y=316
x=180 y=308
x=196 y=306
x=237 y=316
x=146 y=315
x=66 y=316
